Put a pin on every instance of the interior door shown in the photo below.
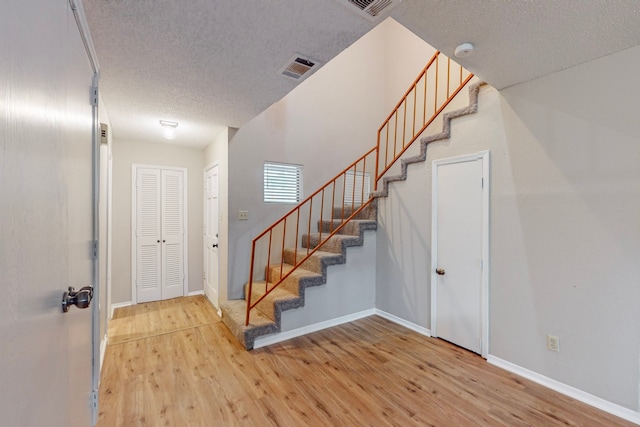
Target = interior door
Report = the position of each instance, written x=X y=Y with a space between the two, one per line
x=159 y=214
x=211 y=230
x=458 y=250
x=46 y=227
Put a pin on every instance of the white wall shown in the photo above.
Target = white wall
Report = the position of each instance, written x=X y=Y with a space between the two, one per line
x=164 y=154
x=405 y=56
x=218 y=151
x=324 y=124
x=565 y=235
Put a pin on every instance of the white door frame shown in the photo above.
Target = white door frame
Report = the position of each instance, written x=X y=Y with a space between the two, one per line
x=185 y=240
x=484 y=156
x=204 y=247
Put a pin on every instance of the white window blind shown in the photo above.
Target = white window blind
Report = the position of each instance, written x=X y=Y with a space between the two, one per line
x=353 y=185
x=282 y=183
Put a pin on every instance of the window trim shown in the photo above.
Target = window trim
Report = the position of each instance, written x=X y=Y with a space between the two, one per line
x=291 y=176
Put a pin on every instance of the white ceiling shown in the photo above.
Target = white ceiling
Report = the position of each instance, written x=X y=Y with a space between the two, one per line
x=209 y=64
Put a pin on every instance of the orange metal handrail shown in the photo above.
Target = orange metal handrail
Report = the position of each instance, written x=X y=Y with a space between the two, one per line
x=391 y=122
x=359 y=166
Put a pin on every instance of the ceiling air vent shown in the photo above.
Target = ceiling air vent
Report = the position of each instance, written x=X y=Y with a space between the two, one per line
x=298 y=67
x=371 y=9
x=104 y=133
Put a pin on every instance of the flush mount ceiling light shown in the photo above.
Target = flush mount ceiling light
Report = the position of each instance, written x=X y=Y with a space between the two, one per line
x=168 y=129
x=465 y=49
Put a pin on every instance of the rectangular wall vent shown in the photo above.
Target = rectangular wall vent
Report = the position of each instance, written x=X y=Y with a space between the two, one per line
x=371 y=9
x=297 y=67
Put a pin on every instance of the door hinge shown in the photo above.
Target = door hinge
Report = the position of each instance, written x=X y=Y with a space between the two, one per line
x=94 y=399
x=94 y=249
x=482 y=179
x=94 y=96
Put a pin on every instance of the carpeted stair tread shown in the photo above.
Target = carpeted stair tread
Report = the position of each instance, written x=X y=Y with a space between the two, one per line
x=369 y=212
x=351 y=228
x=316 y=261
x=279 y=296
x=233 y=316
x=275 y=274
x=335 y=244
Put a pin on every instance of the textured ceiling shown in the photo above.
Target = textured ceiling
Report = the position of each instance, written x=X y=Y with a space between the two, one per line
x=209 y=64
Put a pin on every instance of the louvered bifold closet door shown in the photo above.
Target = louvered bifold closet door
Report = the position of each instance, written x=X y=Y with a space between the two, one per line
x=148 y=237
x=172 y=234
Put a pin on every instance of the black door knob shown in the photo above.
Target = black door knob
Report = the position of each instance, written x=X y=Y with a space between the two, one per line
x=440 y=271
x=215 y=245
x=80 y=298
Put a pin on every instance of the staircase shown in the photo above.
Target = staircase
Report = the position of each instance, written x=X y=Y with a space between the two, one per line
x=472 y=108
x=293 y=263
x=266 y=316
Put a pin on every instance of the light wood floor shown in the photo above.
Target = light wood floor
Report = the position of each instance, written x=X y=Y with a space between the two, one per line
x=173 y=363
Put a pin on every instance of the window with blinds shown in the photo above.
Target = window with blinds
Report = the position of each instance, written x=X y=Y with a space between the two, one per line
x=355 y=184
x=282 y=183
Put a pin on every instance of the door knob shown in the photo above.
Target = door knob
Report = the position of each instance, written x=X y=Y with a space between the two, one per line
x=80 y=298
x=440 y=271
x=215 y=245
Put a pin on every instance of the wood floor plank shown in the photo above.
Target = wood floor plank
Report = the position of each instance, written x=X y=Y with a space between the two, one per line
x=160 y=317
x=173 y=363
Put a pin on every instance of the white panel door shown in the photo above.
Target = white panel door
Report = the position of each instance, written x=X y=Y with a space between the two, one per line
x=172 y=234
x=211 y=230
x=45 y=216
x=458 y=214
x=148 y=235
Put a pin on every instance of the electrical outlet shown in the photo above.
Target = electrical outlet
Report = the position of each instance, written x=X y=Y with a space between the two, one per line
x=243 y=215
x=553 y=343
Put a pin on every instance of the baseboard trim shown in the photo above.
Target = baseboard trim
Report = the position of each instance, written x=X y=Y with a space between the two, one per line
x=582 y=396
x=283 y=336
x=194 y=293
x=118 y=305
x=402 y=322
